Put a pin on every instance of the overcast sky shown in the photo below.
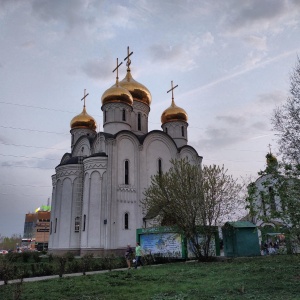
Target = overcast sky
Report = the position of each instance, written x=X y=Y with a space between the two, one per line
x=231 y=60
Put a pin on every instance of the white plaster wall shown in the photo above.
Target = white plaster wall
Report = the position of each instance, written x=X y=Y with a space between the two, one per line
x=65 y=220
x=125 y=201
x=57 y=212
x=95 y=223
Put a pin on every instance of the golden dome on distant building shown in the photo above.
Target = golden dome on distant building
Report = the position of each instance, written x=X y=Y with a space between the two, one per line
x=117 y=93
x=271 y=159
x=138 y=91
x=174 y=113
x=83 y=120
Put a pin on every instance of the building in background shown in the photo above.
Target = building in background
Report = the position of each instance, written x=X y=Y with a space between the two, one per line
x=37 y=228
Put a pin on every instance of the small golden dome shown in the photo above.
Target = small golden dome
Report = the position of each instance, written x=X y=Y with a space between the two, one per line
x=174 y=113
x=83 y=120
x=117 y=94
x=271 y=159
x=138 y=91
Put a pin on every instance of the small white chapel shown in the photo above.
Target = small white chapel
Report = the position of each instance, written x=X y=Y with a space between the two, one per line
x=98 y=186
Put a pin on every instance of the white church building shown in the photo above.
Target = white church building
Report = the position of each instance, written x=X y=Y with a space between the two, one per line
x=98 y=186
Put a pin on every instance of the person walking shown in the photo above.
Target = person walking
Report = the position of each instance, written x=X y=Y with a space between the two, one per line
x=128 y=256
x=138 y=255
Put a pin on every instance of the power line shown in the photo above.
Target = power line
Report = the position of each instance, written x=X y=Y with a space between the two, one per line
x=29 y=157
x=35 y=130
x=7 y=194
x=40 y=107
x=17 y=145
x=13 y=166
x=40 y=186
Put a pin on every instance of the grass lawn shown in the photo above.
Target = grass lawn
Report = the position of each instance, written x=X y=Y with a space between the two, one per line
x=272 y=277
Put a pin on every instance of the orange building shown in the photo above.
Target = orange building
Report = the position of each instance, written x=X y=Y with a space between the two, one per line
x=37 y=229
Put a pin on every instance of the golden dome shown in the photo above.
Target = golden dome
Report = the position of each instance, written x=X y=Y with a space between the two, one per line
x=138 y=91
x=117 y=94
x=271 y=159
x=83 y=120
x=174 y=113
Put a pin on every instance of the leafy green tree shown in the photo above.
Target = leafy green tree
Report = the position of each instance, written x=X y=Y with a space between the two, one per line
x=194 y=200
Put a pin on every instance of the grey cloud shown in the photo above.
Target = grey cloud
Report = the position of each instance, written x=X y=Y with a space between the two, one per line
x=231 y=120
x=219 y=137
x=272 y=99
x=98 y=68
x=259 y=43
x=28 y=44
x=258 y=14
x=165 y=53
x=260 y=125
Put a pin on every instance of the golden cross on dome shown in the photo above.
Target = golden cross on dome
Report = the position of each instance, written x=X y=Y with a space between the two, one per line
x=84 y=96
x=172 y=89
x=127 y=57
x=117 y=68
x=270 y=148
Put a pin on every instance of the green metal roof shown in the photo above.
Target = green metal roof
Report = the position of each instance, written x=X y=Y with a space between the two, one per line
x=241 y=224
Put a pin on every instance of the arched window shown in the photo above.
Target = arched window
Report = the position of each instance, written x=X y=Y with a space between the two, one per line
x=51 y=227
x=84 y=221
x=182 y=130
x=77 y=224
x=105 y=116
x=263 y=203
x=55 y=227
x=139 y=122
x=272 y=199
x=123 y=115
x=166 y=130
x=159 y=167
x=126 y=172
x=126 y=221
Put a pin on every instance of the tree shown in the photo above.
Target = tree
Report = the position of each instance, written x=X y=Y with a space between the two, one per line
x=194 y=200
x=286 y=121
x=276 y=200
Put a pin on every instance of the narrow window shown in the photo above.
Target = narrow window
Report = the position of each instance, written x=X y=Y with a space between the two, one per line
x=166 y=130
x=84 y=221
x=55 y=227
x=139 y=122
x=126 y=221
x=105 y=116
x=159 y=167
x=262 y=196
x=126 y=172
x=77 y=224
x=182 y=130
x=51 y=227
x=272 y=199
x=123 y=115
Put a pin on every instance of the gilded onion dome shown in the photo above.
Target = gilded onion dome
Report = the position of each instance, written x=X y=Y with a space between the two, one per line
x=271 y=159
x=116 y=93
x=138 y=91
x=83 y=120
x=174 y=113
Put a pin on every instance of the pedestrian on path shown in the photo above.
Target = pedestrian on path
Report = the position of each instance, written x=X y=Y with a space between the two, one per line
x=128 y=256
x=138 y=255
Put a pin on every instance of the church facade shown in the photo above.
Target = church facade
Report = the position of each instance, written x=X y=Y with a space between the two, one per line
x=97 y=187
